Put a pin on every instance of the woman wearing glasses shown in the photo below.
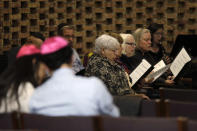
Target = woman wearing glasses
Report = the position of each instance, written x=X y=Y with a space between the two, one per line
x=103 y=65
x=144 y=51
x=128 y=50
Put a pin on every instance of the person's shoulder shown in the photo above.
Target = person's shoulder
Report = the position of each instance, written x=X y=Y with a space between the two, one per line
x=39 y=92
x=45 y=86
x=95 y=57
x=96 y=61
x=27 y=87
x=124 y=58
x=91 y=81
x=97 y=84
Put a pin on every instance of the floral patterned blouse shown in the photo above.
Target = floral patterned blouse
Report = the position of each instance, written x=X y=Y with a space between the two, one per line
x=110 y=73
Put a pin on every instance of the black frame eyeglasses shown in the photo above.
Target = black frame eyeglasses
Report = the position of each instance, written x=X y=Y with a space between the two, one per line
x=132 y=43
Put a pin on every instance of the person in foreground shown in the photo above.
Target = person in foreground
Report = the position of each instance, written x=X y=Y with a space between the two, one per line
x=65 y=94
x=17 y=82
x=35 y=38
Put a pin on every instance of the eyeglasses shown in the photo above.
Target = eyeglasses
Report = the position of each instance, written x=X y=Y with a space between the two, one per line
x=132 y=43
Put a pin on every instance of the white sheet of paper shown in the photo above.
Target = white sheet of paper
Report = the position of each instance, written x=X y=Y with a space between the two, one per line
x=181 y=59
x=157 y=67
x=158 y=73
x=139 y=71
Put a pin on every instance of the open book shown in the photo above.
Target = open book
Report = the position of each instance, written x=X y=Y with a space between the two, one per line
x=158 y=71
x=181 y=59
x=139 y=71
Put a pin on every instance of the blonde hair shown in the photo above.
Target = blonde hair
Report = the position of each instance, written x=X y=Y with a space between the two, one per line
x=138 y=35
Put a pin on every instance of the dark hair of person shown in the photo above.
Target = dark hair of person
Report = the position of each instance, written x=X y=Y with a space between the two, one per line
x=56 y=59
x=23 y=70
x=61 y=26
x=153 y=28
x=37 y=35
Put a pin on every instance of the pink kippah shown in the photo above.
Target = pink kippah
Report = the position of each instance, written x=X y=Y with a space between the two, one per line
x=27 y=50
x=53 y=44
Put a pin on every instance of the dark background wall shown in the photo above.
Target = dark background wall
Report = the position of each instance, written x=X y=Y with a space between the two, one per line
x=91 y=17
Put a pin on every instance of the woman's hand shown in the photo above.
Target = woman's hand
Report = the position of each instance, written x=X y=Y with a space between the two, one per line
x=143 y=96
x=170 y=80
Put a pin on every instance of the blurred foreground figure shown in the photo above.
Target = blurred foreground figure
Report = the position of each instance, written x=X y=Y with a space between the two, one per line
x=65 y=94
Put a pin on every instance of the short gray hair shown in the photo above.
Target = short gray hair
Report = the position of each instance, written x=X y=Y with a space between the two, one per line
x=138 y=35
x=105 y=42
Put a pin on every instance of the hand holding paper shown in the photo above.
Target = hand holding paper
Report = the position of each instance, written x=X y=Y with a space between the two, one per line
x=158 y=70
x=181 y=59
x=139 y=71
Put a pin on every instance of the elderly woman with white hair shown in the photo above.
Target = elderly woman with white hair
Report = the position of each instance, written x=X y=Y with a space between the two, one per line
x=128 y=50
x=102 y=64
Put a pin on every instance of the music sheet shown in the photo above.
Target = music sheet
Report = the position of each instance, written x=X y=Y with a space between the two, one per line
x=159 y=69
x=139 y=71
x=159 y=65
x=181 y=59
